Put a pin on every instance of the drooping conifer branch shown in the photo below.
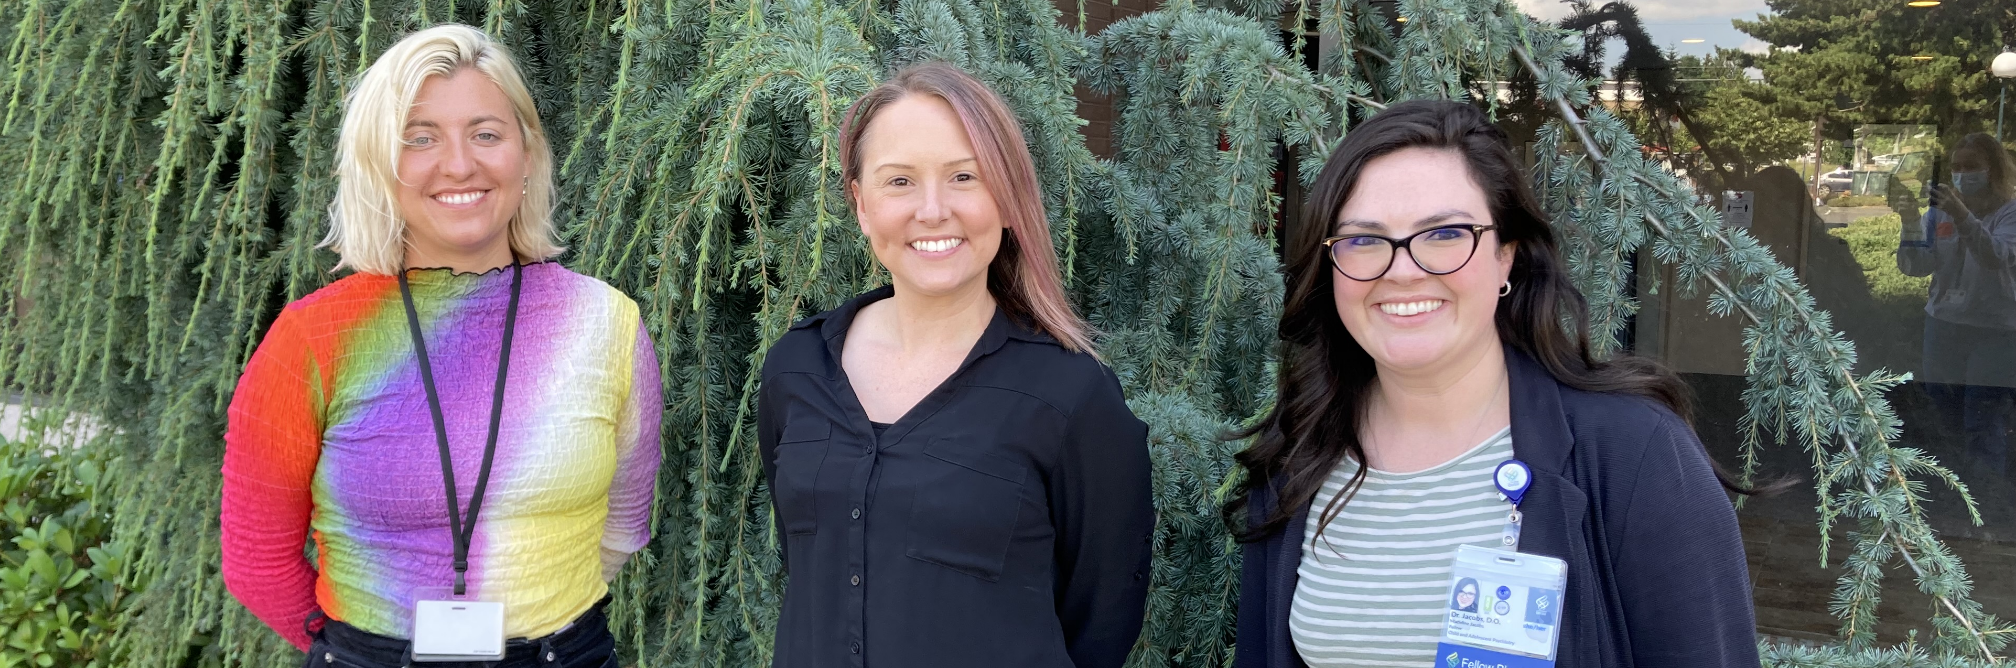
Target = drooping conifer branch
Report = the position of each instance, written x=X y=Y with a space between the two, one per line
x=171 y=169
x=1769 y=299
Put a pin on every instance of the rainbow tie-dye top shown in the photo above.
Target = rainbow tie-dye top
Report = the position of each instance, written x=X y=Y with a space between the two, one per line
x=329 y=431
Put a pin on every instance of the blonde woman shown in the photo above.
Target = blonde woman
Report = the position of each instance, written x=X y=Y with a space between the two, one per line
x=1966 y=241
x=467 y=430
x=957 y=479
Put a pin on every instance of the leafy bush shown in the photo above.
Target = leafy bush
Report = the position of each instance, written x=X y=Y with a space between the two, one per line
x=60 y=574
x=1873 y=242
x=1857 y=200
x=1907 y=655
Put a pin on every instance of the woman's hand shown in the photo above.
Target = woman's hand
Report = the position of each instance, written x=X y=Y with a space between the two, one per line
x=1902 y=201
x=1947 y=199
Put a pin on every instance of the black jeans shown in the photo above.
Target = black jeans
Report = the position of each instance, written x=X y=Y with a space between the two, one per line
x=1971 y=377
x=585 y=644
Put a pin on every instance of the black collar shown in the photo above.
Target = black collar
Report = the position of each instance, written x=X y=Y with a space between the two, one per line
x=832 y=326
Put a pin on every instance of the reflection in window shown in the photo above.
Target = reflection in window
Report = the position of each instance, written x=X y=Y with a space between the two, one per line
x=1862 y=138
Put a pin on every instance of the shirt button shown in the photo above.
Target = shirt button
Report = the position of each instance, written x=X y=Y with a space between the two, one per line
x=857 y=513
x=854 y=647
x=856 y=580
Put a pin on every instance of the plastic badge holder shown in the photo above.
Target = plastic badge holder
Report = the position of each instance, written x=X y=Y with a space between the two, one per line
x=1504 y=610
x=450 y=628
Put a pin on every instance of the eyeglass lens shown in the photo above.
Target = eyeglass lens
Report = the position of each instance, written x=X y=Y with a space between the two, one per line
x=1436 y=251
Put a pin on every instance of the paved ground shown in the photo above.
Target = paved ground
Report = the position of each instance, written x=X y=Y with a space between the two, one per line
x=10 y=421
x=11 y=415
x=1791 y=586
x=1843 y=216
x=1792 y=590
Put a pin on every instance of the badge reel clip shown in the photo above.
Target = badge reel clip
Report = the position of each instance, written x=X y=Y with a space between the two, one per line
x=1504 y=606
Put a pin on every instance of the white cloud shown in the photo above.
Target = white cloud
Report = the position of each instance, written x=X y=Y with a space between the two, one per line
x=1545 y=10
x=1678 y=10
x=1756 y=46
x=1657 y=10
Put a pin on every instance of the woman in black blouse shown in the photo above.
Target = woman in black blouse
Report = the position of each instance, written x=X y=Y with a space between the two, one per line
x=957 y=479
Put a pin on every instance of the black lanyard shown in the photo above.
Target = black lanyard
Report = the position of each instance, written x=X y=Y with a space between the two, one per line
x=462 y=529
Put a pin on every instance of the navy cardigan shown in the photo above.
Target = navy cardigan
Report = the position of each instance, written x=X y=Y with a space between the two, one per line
x=1623 y=492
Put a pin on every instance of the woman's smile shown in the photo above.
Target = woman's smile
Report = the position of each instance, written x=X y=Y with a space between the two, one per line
x=461 y=199
x=1411 y=310
x=937 y=247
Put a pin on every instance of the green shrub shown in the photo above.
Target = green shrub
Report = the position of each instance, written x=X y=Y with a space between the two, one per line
x=1908 y=655
x=60 y=574
x=1873 y=241
x=1857 y=200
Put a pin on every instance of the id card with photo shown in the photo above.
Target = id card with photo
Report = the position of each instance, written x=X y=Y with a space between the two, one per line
x=450 y=628
x=1504 y=610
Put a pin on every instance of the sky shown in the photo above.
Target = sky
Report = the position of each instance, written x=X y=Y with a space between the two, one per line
x=1669 y=21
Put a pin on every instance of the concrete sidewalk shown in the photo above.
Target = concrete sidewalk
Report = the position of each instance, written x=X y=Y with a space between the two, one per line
x=79 y=428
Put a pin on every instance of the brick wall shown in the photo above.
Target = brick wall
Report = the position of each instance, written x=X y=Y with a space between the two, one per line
x=1097 y=110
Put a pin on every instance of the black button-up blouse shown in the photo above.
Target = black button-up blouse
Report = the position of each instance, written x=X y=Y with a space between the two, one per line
x=1004 y=521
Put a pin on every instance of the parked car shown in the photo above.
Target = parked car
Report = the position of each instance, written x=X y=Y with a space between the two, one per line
x=1837 y=181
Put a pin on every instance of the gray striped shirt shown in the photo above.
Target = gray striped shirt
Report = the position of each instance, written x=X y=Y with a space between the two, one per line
x=1373 y=590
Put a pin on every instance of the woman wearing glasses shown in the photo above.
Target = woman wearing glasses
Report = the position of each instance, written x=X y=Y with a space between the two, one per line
x=1422 y=346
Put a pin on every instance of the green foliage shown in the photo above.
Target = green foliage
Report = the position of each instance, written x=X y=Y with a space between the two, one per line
x=1861 y=51
x=1743 y=119
x=171 y=168
x=1857 y=200
x=62 y=576
x=1740 y=118
x=1801 y=385
x=1908 y=655
x=1873 y=242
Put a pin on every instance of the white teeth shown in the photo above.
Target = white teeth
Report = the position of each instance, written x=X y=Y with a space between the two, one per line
x=460 y=198
x=1410 y=308
x=936 y=245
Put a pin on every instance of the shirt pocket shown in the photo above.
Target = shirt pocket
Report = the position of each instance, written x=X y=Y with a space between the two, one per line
x=965 y=507
x=801 y=452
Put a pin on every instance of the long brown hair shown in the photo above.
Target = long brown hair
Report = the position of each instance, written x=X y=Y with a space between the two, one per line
x=1325 y=377
x=1023 y=276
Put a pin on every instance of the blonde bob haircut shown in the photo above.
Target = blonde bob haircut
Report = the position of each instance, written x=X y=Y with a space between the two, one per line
x=365 y=228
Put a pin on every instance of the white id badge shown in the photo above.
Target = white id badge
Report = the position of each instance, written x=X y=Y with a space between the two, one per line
x=1504 y=610
x=446 y=628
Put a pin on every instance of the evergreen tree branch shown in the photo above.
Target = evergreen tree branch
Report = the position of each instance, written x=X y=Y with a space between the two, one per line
x=1799 y=308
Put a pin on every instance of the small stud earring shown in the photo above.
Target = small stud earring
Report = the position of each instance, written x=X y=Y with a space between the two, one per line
x=1506 y=289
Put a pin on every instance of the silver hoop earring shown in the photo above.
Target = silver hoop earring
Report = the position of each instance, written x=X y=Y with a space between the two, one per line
x=1506 y=289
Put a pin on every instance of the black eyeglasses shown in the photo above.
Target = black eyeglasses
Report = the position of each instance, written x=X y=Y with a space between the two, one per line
x=1436 y=250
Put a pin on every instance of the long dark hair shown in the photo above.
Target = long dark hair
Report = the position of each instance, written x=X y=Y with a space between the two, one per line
x=1325 y=376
